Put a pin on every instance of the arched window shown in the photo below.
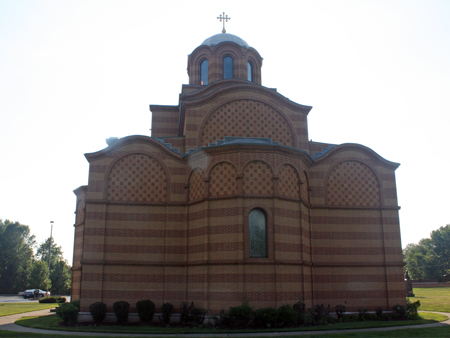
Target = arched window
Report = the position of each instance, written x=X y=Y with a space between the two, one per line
x=204 y=72
x=257 y=233
x=249 y=71
x=228 y=67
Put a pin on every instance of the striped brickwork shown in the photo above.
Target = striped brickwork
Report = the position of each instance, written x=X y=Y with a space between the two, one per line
x=215 y=55
x=172 y=227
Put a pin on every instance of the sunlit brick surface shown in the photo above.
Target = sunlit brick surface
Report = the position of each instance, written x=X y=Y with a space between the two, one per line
x=247 y=118
x=353 y=183
x=137 y=177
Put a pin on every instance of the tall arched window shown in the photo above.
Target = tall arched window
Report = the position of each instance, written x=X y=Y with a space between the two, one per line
x=228 y=66
x=204 y=72
x=257 y=233
x=249 y=71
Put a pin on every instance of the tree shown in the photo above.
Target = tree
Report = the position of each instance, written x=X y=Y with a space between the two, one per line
x=60 y=273
x=430 y=258
x=38 y=278
x=16 y=254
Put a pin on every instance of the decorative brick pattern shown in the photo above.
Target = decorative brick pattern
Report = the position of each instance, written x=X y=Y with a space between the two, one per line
x=353 y=183
x=288 y=182
x=305 y=187
x=247 y=118
x=258 y=179
x=80 y=213
x=223 y=180
x=137 y=178
x=196 y=185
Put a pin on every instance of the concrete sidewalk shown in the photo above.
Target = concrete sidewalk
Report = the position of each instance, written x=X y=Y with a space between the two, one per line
x=7 y=323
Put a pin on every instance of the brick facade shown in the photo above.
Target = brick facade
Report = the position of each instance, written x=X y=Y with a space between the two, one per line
x=167 y=217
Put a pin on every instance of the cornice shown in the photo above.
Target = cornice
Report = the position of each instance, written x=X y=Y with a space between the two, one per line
x=347 y=207
x=132 y=140
x=223 y=87
x=132 y=203
x=356 y=147
x=81 y=189
x=249 y=261
x=236 y=147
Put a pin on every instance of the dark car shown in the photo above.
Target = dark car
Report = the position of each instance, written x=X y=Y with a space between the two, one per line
x=35 y=293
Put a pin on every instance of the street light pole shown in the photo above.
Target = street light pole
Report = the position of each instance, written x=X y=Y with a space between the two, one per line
x=50 y=249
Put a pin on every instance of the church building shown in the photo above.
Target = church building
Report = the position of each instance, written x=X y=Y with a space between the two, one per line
x=229 y=201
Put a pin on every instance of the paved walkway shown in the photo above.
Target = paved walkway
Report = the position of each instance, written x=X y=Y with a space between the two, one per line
x=7 y=323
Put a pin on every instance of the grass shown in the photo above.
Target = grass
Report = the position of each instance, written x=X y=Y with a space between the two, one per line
x=51 y=323
x=432 y=332
x=7 y=309
x=432 y=299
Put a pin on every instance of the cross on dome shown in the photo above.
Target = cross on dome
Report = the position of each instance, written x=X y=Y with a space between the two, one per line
x=223 y=18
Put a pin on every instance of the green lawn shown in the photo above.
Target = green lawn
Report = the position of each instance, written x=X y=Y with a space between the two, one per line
x=7 y=309
x=432 y=299
x=434 y=332
x=51 y=323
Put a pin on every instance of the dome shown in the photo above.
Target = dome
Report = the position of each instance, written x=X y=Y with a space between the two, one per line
x=224 y=37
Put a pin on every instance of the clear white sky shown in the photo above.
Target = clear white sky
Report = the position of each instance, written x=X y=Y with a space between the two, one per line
x=73 y=73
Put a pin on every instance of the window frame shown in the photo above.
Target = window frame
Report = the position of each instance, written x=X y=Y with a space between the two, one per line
x=202 y=74
x=223 y=67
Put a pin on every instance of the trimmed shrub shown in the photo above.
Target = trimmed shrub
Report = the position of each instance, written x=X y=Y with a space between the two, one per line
x=68 y=313
x=121 y=309
x=339 y=309
x=47 y=300
x=98 y=311
x=76 y=303
x=379 y=312
x=321 y=313
x=412 y=309
x=198 y=315
x=362 y=313
x=266 y=317
x=61 y=300
x=166 y=310
x=185 y=309
x=240 y=315
x=399 y=312
x=300 y=308
x=286 y=315
x=146 y=310
x=223 y=320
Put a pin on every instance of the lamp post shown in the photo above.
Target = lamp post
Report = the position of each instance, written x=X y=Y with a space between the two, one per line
x=50 y=249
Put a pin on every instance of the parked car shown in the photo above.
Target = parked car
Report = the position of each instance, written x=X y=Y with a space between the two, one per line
x=35 y=293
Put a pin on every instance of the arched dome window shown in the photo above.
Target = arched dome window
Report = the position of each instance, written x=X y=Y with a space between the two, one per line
x=228 y=65
x=204 y=72
x=249 y=71
x=257 y=221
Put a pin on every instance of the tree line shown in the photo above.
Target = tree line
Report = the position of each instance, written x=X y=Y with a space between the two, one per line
x=430 y=258
x=25 y=265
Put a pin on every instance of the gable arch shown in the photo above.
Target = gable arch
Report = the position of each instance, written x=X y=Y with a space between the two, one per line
x=243 y=117
x=352 y=182
x=137 y=177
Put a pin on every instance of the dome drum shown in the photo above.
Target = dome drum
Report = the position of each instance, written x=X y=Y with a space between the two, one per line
x=244 y=58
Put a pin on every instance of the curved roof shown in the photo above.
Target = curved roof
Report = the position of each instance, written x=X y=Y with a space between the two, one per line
x=224 y=37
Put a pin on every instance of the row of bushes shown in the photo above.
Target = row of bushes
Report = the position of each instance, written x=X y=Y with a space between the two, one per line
x=146 y=310
x=299 y=315
x=240 y=316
